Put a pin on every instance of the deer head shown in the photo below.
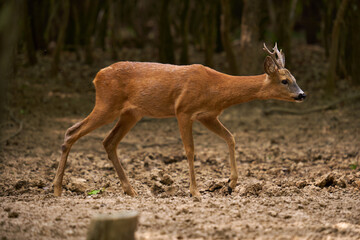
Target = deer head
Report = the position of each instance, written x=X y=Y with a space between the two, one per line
x=281 y=83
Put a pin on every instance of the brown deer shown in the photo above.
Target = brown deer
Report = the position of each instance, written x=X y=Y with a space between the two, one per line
x=132 y=90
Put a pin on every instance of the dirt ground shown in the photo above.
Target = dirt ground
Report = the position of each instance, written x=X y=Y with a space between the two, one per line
x=299 y=175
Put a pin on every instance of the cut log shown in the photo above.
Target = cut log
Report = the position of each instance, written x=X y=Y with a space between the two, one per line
x=119 y=226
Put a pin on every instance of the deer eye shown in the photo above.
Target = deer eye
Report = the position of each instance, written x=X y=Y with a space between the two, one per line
x=284 y=82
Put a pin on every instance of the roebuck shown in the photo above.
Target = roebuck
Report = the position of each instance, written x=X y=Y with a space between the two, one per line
x=132 y=90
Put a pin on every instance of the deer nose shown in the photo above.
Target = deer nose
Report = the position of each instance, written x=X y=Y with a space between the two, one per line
x=301 y=96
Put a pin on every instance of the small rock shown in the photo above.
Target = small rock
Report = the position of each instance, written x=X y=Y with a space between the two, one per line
x=13 y=215
x=182 y=210
x=301 y=184
x=326 y=181
x=90 y=156
x=166 y=180
x=39 y=183
x=154 y=174
x=215 y=185
x=357 y=184
x=20 y=184
x=170 y=190
x=341 y=182
x=273 y=214
x=251 y=189
x=77 y=185
x=197 y=198
x=173 y=159
x=157 y=188
x=146 y=163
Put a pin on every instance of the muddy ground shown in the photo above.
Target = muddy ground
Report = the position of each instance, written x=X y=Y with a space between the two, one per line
x=299 y=175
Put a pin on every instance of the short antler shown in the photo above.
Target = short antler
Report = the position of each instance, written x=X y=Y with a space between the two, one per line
x=277 y=56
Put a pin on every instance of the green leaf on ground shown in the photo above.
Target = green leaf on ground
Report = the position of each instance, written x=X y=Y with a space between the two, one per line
x=353 y=166
x=96 y=191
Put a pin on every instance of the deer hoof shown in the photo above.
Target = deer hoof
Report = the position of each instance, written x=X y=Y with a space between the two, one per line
x=131 y=192
x=195 y=194
x=196 y=198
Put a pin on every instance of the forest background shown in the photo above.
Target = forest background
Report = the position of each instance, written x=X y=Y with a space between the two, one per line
x=178 y=32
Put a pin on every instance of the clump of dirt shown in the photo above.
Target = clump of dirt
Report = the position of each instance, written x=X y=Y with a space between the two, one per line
x=331 y=179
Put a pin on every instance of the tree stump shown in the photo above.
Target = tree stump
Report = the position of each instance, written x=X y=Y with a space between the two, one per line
x=113 y=226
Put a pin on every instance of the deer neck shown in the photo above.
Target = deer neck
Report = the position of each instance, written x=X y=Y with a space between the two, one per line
x=239 y=89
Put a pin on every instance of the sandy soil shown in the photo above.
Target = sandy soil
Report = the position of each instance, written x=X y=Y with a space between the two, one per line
x=299 y=175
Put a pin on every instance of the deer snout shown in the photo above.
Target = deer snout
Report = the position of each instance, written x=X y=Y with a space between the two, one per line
x=300 y=97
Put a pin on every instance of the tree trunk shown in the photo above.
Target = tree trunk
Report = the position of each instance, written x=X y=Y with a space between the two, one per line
x=61 y=38
x=312 y=20
x=250 y=47
x=102 y=26
x=334 y=51
x=282 y=15
x=327 y=21
x=184 y=28
x=90 y=19
x=209 y=32
x=166 y=48
x=9 y=32
x=113 y=29
x=121 y=226
x=77 y=33
x=29 y=37
x=225 y=36
x=352 y=49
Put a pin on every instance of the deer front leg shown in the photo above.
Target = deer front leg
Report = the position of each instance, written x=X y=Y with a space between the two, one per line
x=214 y=125
x=185 y=127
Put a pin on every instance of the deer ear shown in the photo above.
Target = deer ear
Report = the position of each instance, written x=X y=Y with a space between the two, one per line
x=269 y=66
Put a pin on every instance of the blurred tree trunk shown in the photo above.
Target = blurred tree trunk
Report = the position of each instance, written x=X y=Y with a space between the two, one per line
x=250 y=47
x=113 y=29
x=90 y=19
x=353 y=48
x=349 y=50
x=29 y=36
x=166 y=48
x=77 y=33
x=282 y=15
x=225 y=36
x=327 y=21
x=334 y=51
x=312 y=20
x=210 y=24
x=184 y=29
x=9 y=31
x=49 y=29
x=61 y=37
x=101 y=29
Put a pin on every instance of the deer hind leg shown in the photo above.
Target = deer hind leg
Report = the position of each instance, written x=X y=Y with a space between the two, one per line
x=214 y=125
x=123 y=126
x=96 y=119
x=185 y=127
